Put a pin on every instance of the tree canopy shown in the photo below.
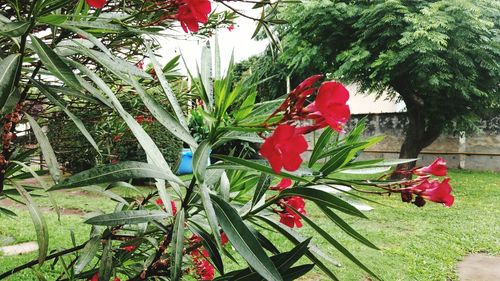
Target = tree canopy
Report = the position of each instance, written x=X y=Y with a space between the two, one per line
x=440 y=57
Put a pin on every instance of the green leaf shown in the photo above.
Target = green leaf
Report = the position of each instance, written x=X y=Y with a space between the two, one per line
x=322 y=198
x=127 y=217
x=209 y=244
x=295 y=272
x=334 y=243
x=177 y=246
x=256 y=166
x=79 y=124
x=14 y=29
x=365 y=171
x=107 y=193
x=296 y=239
x=323 y=141
x=246 y=107
x=166 y=88
x=8 y=70
x=337 y=160
x=106 y=265
x=200 y=160
x=164 y=116
x=206 y=73
x=261 y=188
x=211 y=214
x=41 y=229
x=54 y=63
x=47 y=151
x=346 y=227
x=87 y=254
x=115 y=172
x=244 y=241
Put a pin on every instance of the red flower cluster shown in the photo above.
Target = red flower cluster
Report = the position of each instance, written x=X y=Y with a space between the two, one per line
x=95 y=277
x=288 y=217
x=283 y=148
x=433 y=190
x=142 y=119
x=159 y=202
x=203 y=268
x=193 y=12
x=96 y=3
x=129 y=248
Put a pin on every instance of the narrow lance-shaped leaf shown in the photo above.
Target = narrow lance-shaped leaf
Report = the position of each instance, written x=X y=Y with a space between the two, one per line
x=8 y=69
x=294 y=238
x=206 y=73
x=346 y=227
x=261 y=188
x=323 y=198
x=87 y=254
x=177 y=246
x=334 y=242
x=209 y=245
x=164 y=117
x=166 y=88
x=323 y=140
x=42 y=183
x=41 y=229
x=47 y=151
x=243 y=240
x=79 y=124
x=54 y=63
x=122 y=171
x=200 y=160
x=126 y=217
x=106 y=265
x=211 y=214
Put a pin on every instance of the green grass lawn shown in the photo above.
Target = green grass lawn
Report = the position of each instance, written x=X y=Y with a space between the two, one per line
x=417 y=243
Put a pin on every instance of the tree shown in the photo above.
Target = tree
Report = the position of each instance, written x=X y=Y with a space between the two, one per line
x=440 y=57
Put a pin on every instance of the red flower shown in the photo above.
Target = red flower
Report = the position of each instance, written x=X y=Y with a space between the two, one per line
x=330 y=106
x=140 y=64
x=435 y=191
x=283 y=184
x=436 y=168
x=193 y=12
x=288 y=217
x=96 y=3
x=116 y=279
x=117 y=138
x=231 y=27
x=223 y=239
x=95 y=277
x=283 y=148
x=140 y=118
x=204 y=269
x=129 y=248
x=159 y=202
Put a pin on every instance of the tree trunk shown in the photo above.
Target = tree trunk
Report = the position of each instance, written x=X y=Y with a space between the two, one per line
x=419 y=134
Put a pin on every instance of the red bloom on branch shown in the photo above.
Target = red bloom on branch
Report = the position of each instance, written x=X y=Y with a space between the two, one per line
x=283 y=148
x=283 y=184
x=435 y=191
x=288 y=217
x=436 y=168
x=95 y=277
x=231 y=27
x=159 y=202
x=140 y=118
x=129 y=248
x=223 y=239
x=330 y=106
x=96 y=3
x=192 y=12
x=204 y=269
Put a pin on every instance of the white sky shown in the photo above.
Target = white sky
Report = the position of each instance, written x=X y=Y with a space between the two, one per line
x=239 y=40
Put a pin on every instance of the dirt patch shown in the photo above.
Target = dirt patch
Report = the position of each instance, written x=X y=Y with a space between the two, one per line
x=479 y=267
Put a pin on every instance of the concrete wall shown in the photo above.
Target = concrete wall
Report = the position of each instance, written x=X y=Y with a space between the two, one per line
x=480 y=151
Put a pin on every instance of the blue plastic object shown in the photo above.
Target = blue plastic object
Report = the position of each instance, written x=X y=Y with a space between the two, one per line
x=186 y=165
